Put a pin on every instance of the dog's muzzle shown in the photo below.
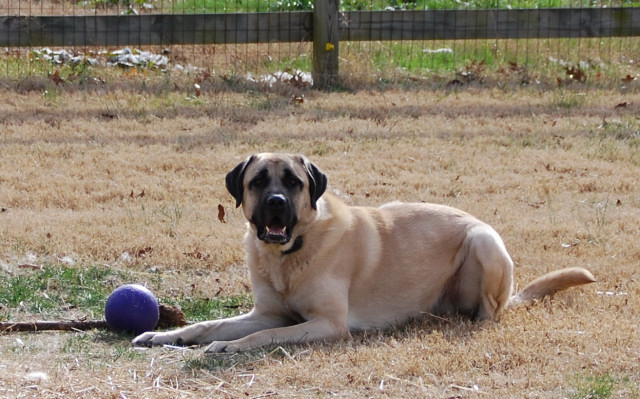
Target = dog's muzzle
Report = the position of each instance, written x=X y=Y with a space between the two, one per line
x=275 y=219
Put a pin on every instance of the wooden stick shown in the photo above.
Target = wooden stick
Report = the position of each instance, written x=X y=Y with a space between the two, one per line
x=53 y=325
x=170 y=316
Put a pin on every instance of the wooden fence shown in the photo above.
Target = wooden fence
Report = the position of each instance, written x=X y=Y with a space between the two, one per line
x=325 y=26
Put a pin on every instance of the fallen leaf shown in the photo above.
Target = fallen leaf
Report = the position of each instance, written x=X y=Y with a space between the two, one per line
x=30 y=266
x=576 y=73
x=171 y=316
x=621 y=105
x=140 y=252
x=197 y=255
x=56 y=77
x=296 y=100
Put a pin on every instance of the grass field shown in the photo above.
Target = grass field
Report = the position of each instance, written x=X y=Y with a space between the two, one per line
x=105 y=185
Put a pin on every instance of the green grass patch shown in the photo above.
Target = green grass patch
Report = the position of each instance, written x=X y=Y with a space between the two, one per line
x=52 y=290
x=560 y=62
x=604 y=386
x=594 y=387
x=201 y=309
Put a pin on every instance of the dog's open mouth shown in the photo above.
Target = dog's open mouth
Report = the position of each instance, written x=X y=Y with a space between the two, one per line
x=275 y=232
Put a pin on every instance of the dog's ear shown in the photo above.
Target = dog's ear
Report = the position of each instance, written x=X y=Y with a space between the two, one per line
x=234 y=180
x=317 y=181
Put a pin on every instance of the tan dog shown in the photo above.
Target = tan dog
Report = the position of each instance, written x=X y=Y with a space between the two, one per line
x=320 y=268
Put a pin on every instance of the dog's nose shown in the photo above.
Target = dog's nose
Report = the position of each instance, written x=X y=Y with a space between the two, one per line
x=276 y=201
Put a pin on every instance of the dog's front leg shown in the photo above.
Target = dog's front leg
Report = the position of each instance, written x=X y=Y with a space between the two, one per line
x=216 y=330
x=319 y=329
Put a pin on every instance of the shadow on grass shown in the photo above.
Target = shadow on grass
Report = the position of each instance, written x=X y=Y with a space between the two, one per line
x=452 y=328
x=109 y=337
x=198 y=360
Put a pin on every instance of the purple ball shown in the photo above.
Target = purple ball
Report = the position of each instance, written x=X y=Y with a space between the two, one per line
x=132 y=308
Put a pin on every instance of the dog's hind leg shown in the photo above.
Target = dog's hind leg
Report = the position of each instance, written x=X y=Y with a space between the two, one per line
x=495 y=267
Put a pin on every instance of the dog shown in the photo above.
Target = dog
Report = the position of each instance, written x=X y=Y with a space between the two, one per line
x=320 y=268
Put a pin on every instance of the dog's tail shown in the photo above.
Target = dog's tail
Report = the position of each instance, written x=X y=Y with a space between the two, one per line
x=551 y=283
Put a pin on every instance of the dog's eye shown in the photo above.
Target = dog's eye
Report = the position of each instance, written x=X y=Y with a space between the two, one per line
x=292 y=182
x=258 y=182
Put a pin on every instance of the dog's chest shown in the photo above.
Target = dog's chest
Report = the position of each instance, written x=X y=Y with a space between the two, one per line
x=279 y=280
x=282 y=272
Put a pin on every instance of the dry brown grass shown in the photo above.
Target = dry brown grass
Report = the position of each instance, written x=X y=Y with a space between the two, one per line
x=92 y=175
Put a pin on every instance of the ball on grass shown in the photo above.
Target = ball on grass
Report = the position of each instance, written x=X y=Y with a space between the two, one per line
x=132 y=308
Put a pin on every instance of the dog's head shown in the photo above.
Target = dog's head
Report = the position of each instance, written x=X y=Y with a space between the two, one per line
x=275 y=191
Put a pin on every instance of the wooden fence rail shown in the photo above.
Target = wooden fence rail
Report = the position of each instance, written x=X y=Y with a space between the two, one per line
x=168 y=29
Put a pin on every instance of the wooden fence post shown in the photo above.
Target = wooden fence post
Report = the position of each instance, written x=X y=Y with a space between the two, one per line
x=326 y=38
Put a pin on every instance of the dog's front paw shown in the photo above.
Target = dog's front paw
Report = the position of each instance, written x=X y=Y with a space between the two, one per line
x=222 y=347
x=153 y=338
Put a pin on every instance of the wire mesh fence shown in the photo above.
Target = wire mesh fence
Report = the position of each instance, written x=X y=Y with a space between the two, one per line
x=380 y=39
